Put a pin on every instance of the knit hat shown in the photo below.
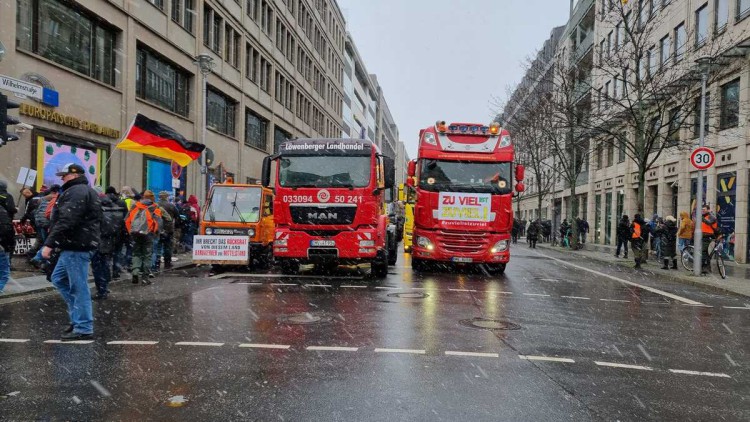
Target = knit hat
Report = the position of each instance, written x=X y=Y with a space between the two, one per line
x=148 y=195
x=163 y=195
x=111 y=190
x=670 y=219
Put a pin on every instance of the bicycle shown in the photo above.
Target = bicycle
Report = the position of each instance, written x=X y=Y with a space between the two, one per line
x=715 y=253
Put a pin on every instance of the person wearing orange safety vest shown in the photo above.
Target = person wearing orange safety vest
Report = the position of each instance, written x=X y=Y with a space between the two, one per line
x=638 y=238
x=710 y=230
x=143 y=224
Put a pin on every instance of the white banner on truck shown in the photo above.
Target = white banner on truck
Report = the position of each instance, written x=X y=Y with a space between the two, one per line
x=221 y=248
x=457 y=206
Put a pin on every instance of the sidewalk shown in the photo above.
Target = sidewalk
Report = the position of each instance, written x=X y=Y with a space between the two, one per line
x=26 y=280
x=737 y=281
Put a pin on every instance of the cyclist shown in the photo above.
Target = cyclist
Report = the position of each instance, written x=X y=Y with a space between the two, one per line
x=711 y=232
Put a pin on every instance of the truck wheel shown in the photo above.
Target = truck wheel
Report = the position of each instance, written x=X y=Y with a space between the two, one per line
x=290 y=267
x=379 y=267
x=496 y=268
x=265 y=259
x=418 y=265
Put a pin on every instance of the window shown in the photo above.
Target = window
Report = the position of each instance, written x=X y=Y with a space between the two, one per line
x=721 y=14
x=279 y=137
x=617 y=37
x=182 y=13
x=653 y=63
x=610 y=154
x=599 y=156
x=655 y=128
x=621 y=149
x=158 y=3
x=697 y=115
x=161 y=82
x=265 y=74
x=701 y=25
x=730 y=104
x=675 y=123
x=609 y=44
x=665 y=47
x=68 y=36
x=680 y=39
x=252 y=9
x=232 y=46
x=220 y=111
x=252 y=61
x=266 y=16
x=212 y=23
x=643 y=13
x=256 y=131
x=601 y=51
x=743 y=9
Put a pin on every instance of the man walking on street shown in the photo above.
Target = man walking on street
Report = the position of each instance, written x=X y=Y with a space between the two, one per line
x=7 y=234
x=113 y=220
x=639 y=229
x=74 y=231
x=143 y=226
x=170 y=215
x=623 y=236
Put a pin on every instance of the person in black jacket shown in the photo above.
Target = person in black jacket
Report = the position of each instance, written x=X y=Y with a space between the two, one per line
x=7 y=233
x=532 y=234
x=113 y=221
x=623 y=236
x=639 y=239
x=74 y=231
x=121 y=238
x=668 y=233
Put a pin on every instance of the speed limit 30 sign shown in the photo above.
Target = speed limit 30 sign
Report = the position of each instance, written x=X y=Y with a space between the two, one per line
x=702 y=158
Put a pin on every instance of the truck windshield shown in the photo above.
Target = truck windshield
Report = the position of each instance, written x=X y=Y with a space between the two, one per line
x=324 y=171
x=465 y=176
x=238 y=204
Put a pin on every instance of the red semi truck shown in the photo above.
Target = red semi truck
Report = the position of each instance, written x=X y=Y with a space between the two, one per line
x=329 y=204
x=464 y=184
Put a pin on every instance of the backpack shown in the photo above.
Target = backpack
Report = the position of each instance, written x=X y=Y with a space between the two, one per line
x=167 y=221
x=142 y=221
x=40 y=215
x=112 y=220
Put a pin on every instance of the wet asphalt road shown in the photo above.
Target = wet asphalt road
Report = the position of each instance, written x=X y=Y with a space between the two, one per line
x=578 y=341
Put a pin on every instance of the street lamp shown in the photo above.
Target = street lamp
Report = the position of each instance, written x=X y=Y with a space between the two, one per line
x=205 y=64
x=704 y=66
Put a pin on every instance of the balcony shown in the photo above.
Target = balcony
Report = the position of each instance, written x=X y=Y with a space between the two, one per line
x=584 y=47
x=581 y=89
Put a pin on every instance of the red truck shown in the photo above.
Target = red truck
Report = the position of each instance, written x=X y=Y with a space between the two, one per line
x=464 y=183
x=329 y=204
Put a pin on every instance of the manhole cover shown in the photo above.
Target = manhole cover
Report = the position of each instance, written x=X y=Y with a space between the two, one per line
x=490 y=324
x=303 y=319
x=409 y=295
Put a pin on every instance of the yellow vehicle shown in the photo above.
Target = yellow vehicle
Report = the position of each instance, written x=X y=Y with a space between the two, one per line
x=406 y=196
x=243 y=211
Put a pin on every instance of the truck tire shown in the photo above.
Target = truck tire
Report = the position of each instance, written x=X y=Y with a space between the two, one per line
x=418 y=265
x=379 y=267
x=289 y=267
x=265 y=259
x=496 y=268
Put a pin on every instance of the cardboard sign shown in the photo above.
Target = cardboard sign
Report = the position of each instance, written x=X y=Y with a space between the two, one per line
x=221 y=248
x=458 y=206
x=26 y=176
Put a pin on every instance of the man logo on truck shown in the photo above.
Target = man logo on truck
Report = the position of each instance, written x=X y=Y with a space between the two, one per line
x=322 y=216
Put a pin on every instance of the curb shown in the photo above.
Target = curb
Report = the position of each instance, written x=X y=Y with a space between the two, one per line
x=670 y=277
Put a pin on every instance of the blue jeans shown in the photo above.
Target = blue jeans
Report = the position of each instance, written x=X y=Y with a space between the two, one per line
x=682 y=244
x=101 y=264
x=156 y=252
x=4 y=270
x=70 y=277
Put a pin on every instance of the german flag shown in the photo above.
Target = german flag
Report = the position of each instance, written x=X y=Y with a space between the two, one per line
x=151 y=137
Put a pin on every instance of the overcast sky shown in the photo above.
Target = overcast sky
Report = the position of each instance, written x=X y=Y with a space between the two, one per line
x=446 y=59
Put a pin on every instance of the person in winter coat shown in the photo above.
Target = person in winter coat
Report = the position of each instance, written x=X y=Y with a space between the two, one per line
x=113 y=219
x=515 y=230
x=192 y=210
x=7 y=233
x=75 y=224
x=42 y=219
x=532 y=233
x=623 y=236
x=164 y=246
x=668 y=235
x=121 y=237
x=638 y=239
x=143 y=236
x=686 y=231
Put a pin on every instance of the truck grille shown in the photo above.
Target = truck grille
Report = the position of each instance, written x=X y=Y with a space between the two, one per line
x=323 y=215
x=463 y=242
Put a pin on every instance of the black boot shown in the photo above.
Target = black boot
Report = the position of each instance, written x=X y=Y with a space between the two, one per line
x=674 y=263
x=666 y=264
x=637 y=264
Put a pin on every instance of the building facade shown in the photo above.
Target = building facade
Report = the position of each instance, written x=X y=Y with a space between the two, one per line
x=682 y=31
x=278 y=72
x=360 y=97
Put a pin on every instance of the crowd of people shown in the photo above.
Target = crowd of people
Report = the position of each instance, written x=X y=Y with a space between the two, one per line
x=541 y=230
x=78 y=226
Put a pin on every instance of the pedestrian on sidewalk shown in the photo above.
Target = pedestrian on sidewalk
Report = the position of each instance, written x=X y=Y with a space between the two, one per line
x=532 y=233
x=685 y=231
x=166 y=235
x=75 y=225
x=583 y=229
x=638 y=239
x=669 y=242
x=7 y=237
x=122 y=237
x=42 y=217
x=143 y=226
x=515 y=230
x=623 y=236
x=9 y=204
x=710 y=230
x=113 y=218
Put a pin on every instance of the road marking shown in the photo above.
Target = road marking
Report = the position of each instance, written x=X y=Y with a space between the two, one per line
x=332 y=348
x=354 y=287
x=284 y=284
x=546 y=358
x=577 y=297
x=69 y=342
x=411 y=351
x=623 y=365
x=388 y=288
x=536 y=294
x=474 y=354
x=737 y=307
x=461 y=290
x=134 y=342
x=316 y=285
x=629 y=283
x=198 y=343
x=265 y=346
x=14 y=340
x=698 y=305
x=615 y=300
x=706 y=374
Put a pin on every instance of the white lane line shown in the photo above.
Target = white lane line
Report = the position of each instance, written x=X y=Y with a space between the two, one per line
x=461 y=290
x=705 y=374
x=546 y=358
x=14 y=340
x=69 y=342
x=503 y=293
x=738 y=307
x=629 y=283
x=284 y=284
x=698 y=305
x=727 y=328
x=577 y=297
x=265 y=346
x=133 y=342
x=332 y=348
x=623 y=365
x=411 y=351
x=615 y=300
x=536 y=294
x=198 y=343
x=388 y=288
x=473 y=354
x=317 y=285
x=354 y=287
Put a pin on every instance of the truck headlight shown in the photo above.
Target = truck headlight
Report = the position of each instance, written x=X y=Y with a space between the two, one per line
x=367 y=243
x=280 y=242
x=209 y=231
x=500 y=246
x=424 y=242
x=251 y=232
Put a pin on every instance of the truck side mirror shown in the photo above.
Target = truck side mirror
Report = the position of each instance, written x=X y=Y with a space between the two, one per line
x=266 y=172
x=412 y=169
x=410 y=182
x=520 y=187
x=520 y=172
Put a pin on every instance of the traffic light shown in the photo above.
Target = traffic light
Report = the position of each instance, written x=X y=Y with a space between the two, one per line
x=6 y=120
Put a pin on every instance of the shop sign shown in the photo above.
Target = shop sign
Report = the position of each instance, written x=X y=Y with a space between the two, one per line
x=65 y=120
